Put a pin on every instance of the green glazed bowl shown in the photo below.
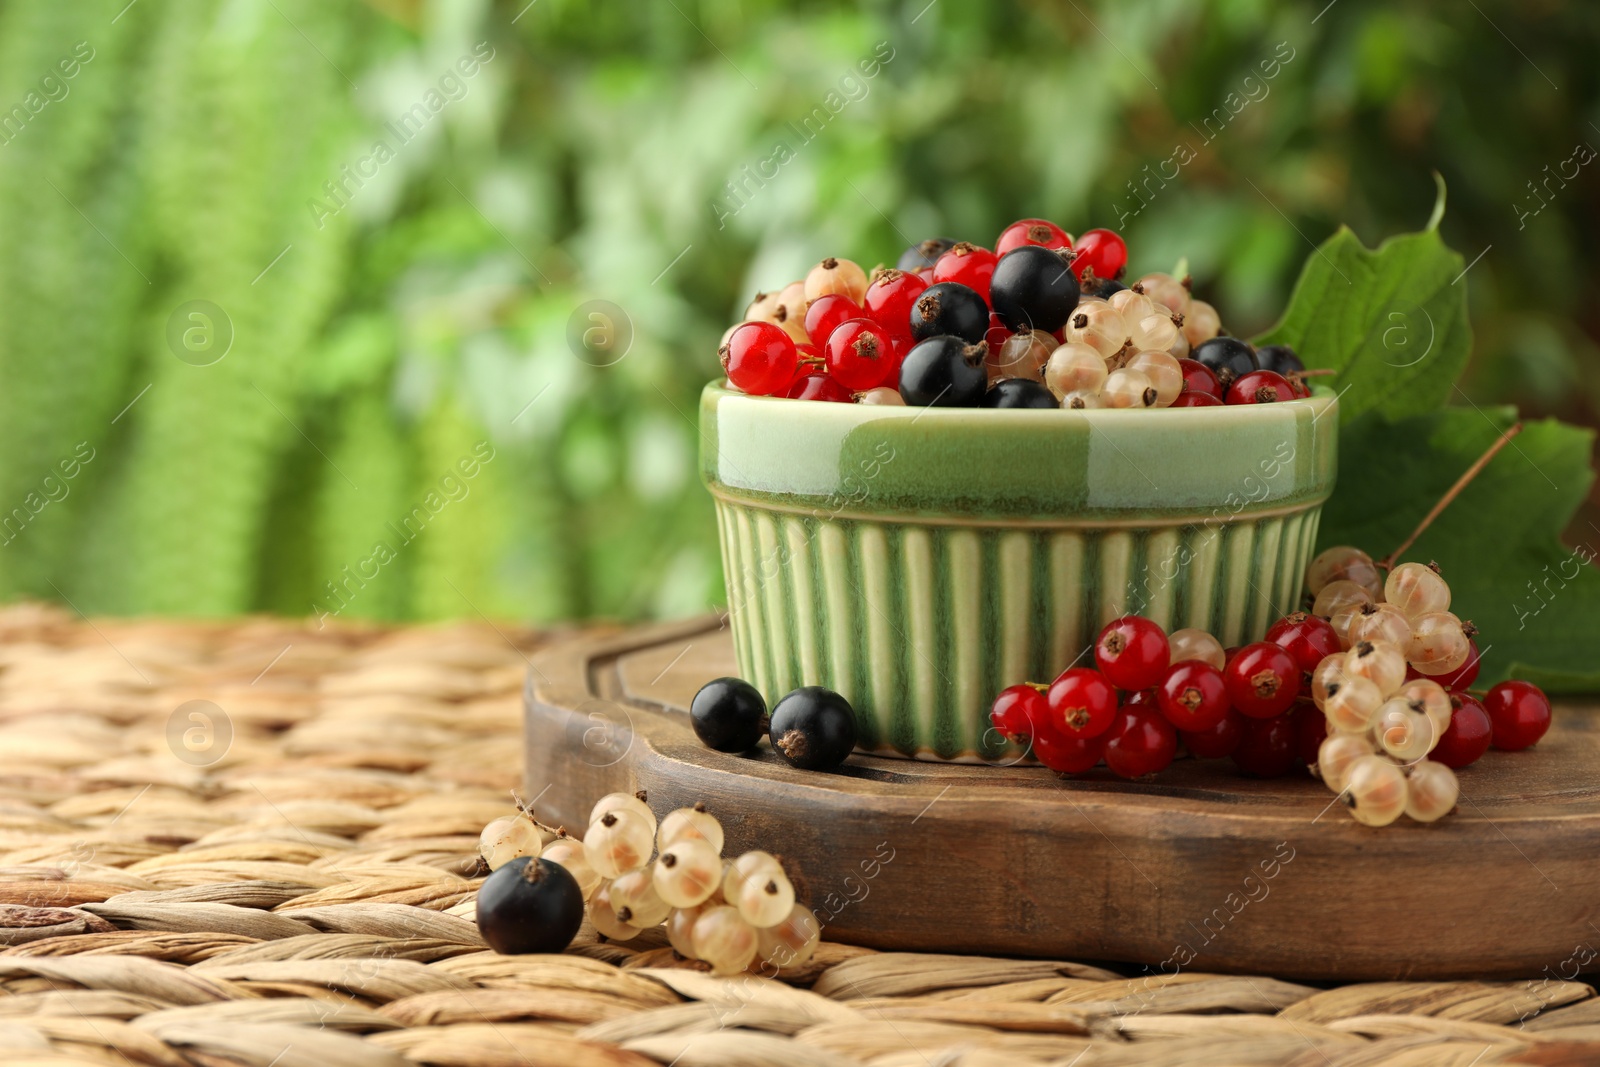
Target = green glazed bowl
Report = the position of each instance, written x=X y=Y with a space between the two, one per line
x=919 y=560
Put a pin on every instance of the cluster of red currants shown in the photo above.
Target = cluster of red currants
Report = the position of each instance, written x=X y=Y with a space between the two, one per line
x=1148 y=690
x=1039 y=321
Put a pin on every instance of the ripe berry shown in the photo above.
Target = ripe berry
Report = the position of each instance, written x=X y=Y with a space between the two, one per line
x=1280 y=358
x=1520 y=713
x=1192 y=696
x=969 y=265
x=1198 y=378
x=1227 y=358
x=1102 y=252
x=860 y=355
x=728 y=715
x=1033 y=288
x=1464 y=675
x=529 y=905
x=759 y=357
x=826 y=313
x=1468 y=735
x=949 y=308
x=1069 y=755
x=1041 y=232
x=841 y=276
x=996 y=336
x=924 y=254
x=1015 y=710
x=1219 y=741
x=1195 y=400
x=944 y=372
x=1310 y=730
x=1140 y=742
x=819 y=387
x=1266 y=747
x=1263 y=680
x=1019 y=393
x=1259 y=387
x=1133 y=653
x=1081 y=702
x=1307 y=638
x=813 y=728
x=889 y=299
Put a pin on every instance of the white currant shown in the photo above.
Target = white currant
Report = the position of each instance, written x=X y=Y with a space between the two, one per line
x=687 y=873
x=1416 y=589
x=508 y=837
x=724 y=940
x=618 y=842
x=1189 y=643
x=1431 y=791
x=1375 y=790
x=691 y=824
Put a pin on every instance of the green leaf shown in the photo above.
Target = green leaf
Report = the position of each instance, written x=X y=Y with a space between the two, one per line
x=1536 y=602
x=1392 y=322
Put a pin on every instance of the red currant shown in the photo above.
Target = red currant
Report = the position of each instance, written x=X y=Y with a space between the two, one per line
x=1069 y=755
x=890 y=297
x=1140 y=742
x=1464 y=675
x=1199 y=378
x=1015 y=711
x=1310 y=730
x=996 y=336
x=1082 y=703
x=1133 y=653
x=825 y=315
x=1217 y=742
x=860 y=355
x=1263 y=680
x=1102 y=252
x=1308 y=638
x=1040 y=232
x=1520 y=713
x=969 y=265
x=1195 y=400
x=759 y=357
x=1192 y=696
x=1259 y=387
x=820 y=387
x=1147 y=697
x=1468 y=735
x=1302 y=391
x=1267 y=747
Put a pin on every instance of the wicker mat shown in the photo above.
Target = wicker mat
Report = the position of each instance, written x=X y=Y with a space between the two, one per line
x=285 y=880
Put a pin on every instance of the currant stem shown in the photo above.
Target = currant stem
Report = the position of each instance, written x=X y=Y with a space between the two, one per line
x=1388 y=562
x=1317 y=372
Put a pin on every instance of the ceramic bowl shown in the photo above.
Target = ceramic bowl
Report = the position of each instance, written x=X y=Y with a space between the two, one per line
x=919 y=560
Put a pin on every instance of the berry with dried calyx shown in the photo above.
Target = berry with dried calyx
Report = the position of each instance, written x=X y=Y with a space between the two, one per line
x=1074 y=367
x=1081 y=703
x=968 y=265
x=1337 y=753
x=1015 y=710
x=1227 y=357
x=1417 y=589
x=687 y=873
x=1166 y=377
x=1431 y=791
x=1438 y=643
x=1344 y=563
x=944 y=372
x=924 y=254
x=1040 y=232
x=1375 y=790
x=1259 y=387
x=724 y=939
x=529 y=905
x=889 y=299
x=617 y=842
x=1384 y=664
x=813 y=728
x=1033 y=288
x=1083 y=400
x=508 y=837
x=1100 y=252
x=1199 y=378
x=759 y=358
x=1351 y=704
x=634 y=899
x=1262 y=679
x=1381 y=622
x=1020 y=355
x=1166 y=290
x=836 y=277
x=949 y=308
x=1100 y=326
x=860 y=355
x=1133 y=653
x=1193 y=696
x=1308 y=638
x=826 y=314
x=1129 y=388
x=690 y=824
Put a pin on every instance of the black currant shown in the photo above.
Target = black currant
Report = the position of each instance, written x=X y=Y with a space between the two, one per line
x=729 y=715
x=814 y=728
x=1033 y=288
x=1280 y=358
x=1019 y=393
x=924 y=254
x=944 y=372
x=1226 y=357
x=949 y=308
x=1100 y=287
x=529 y=905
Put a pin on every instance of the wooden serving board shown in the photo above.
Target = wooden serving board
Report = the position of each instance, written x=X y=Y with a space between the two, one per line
x=1198 y=869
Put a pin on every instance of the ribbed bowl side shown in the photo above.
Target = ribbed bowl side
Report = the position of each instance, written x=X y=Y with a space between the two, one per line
x=919 y=626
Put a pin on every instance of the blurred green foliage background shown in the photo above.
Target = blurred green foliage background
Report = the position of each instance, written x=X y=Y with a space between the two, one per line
x=396 y=317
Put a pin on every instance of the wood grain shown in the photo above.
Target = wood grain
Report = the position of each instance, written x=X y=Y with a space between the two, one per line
x=1198 y=869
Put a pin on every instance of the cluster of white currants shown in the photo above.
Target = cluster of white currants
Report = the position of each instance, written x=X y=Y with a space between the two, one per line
x=727 y=914
x=1383 y=719
x=1120 y=351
